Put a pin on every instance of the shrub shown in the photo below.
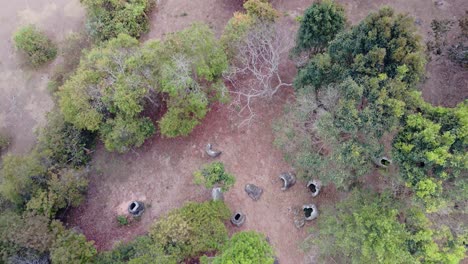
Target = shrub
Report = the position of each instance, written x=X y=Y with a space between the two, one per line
x=107 y=19
x=70 y=246
x=193 y=229
x=62 y=143
x=261 y=10
x=21 y=177
x=214 y=174
x=319 y=25
x=246 y=247
x=38 y=48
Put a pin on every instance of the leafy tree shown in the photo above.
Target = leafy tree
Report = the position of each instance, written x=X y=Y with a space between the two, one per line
x=364 y=229
x=367 y=227
x=21 y=177
x=64 y=189
x=107 y=18
x=192 y=229
x=70 y=247
x=246 y=247
x=117 y=81
x=213 y=174
x=320 y=24
x=350 y=97
x=62 y=143
x=261 y=10
x=37 y=47
x=431 y=149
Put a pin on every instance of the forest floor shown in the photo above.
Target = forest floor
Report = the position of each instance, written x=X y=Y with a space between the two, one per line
x=160 y=172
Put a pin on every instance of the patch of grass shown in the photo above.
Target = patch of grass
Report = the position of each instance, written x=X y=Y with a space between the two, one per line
x=122 y=220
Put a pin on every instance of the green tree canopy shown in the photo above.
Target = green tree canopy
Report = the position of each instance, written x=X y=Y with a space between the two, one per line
x=247 y=247
x=118 y=80
x=319 y=25
x=38 y=48
x=368 y=228
x=109 y=18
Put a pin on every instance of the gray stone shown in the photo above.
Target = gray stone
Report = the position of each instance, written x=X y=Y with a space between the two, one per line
x=136 y=208
x=310 y=212
x=314 y=187
x=210 y=152
x=217 y=194
x=238 y=219
x=288 y=179
x=253 y=191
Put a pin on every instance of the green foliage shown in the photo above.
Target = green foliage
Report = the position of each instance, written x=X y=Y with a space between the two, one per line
x=108 y=18
x=122 y=220
x=70 y=247
x=118 y=80
x=247 y=247
x=141 y=250
x=4 y=141
x=350 y=98
x=367 y=228
x=21 y=176
x=364 y=229
x=213 y=174
x=63 y=144
x=261 y=10
x=431 y=149
x=319 y=25
x=192 y=229
x=37 y=47
x=64 y=189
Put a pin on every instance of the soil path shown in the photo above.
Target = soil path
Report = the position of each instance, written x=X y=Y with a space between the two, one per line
x=24 y=99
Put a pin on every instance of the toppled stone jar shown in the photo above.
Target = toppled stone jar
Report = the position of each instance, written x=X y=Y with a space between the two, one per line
x=210 y=152
x=288 y=179
x=238 y=219
x=310 y=212
x=253 y=191
x=136 y=208
x=314 y=187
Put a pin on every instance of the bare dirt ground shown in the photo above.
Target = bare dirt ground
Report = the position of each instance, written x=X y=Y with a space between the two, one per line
x=24 y=99
x=160 y=173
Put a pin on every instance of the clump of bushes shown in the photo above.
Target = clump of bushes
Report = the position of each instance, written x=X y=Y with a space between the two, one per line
x=38 y=48
x=122 y=220
x=183 y=233
x=214 y=174
x=107 y=18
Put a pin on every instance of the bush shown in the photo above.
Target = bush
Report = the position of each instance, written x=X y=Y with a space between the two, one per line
x=261 y=10
x=107 y=19
x=62 y=143
x=38 y=48
x=21 y=177
x=70 y=247
x=213 y=174
x=192 y=229
x=319 y=25
x=246 y=247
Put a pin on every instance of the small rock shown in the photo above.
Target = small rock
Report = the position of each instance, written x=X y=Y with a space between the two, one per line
x=217 y=194
x=253 y=191
x=238 y=219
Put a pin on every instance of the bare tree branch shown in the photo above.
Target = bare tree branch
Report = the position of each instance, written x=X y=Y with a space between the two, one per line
x=254 y=73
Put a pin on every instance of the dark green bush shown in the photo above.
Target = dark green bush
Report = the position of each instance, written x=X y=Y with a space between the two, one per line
x=107 y=18
x=4 y=141
x=38 y=48
x=319 y=25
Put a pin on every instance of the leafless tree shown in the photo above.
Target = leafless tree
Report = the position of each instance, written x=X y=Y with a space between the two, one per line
x=254 y=73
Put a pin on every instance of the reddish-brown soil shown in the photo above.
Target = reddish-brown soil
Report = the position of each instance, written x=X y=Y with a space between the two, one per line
x=24 y=99
x=160 y=173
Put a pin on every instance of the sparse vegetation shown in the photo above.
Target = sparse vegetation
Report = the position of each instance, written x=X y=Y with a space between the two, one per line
x=37 y=47
x=122 y=220
x=213 y=174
